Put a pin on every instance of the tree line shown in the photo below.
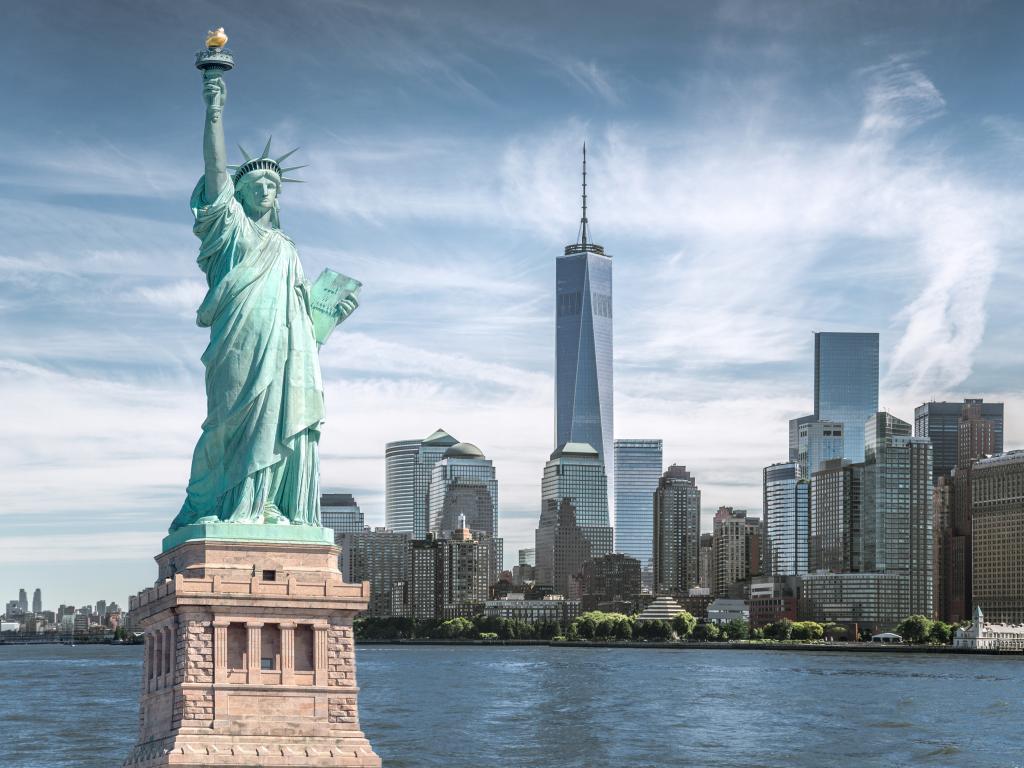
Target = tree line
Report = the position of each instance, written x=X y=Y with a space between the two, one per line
x=605 y=626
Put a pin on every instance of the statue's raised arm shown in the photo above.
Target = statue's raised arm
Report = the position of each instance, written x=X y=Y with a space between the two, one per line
x=215 y=93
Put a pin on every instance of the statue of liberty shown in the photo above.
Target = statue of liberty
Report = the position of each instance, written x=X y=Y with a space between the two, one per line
x=256 y=460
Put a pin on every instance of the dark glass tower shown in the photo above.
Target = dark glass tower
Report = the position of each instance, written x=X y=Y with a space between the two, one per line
x=846 y=384
x=583 y=345
x=940 y=423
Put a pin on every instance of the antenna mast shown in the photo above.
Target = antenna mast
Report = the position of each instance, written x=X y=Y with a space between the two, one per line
x=583 y=221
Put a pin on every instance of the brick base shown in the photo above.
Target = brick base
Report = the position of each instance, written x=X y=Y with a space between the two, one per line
x=249 y=659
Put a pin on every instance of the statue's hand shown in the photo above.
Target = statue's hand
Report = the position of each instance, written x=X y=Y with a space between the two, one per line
x=348 y=306
x=215 y=93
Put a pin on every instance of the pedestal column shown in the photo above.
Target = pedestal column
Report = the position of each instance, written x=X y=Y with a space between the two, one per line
x=254 y=630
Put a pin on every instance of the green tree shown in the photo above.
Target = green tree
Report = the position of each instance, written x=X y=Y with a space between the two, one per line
x=940 y=633
x=705 y=632
x=623 y=629
x=914 y=629
x=807 y=630
x=779 y=630
x=457 y=628
x=683 y=624
x=737 y=629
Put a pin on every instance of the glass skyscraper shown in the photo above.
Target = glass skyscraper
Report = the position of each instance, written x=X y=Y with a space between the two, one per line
x=408 y=468
x=940 y=423
x=846 y=384
x=463 y=483
x=583 y=345
x=817 y=442
x=897 y=523
x=575 y=476
x=637 y=471
x=340 y=513
x=787 y=501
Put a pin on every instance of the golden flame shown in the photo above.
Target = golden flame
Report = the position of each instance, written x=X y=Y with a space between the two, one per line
x=216 y=39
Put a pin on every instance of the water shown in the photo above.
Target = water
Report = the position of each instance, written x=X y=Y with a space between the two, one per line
x=477 y=707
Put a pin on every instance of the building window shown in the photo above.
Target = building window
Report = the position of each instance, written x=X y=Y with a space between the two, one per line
x=270 y=647
x=304 y=648
x=270 y=575
x=238 y=642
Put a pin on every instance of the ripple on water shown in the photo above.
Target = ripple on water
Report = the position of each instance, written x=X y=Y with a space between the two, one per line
x=455 y=707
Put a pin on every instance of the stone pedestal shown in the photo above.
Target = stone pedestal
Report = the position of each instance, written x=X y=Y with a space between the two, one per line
x=249 y=658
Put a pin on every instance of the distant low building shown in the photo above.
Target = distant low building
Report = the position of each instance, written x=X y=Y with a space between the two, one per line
x=663 y=608
x=550 y=608
x=984 y=635
x=724 y=610
x=771 y=600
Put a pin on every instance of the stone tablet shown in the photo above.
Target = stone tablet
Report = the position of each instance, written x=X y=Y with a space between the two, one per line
x=325 y=297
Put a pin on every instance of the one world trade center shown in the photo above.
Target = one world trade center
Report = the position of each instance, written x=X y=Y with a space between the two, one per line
x=583 y=345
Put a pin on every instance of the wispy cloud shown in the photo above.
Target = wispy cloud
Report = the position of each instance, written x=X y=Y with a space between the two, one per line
x=751 y=186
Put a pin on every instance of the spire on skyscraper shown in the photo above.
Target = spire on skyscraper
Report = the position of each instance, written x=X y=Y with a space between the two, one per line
x=583 y=244
x=583 y=220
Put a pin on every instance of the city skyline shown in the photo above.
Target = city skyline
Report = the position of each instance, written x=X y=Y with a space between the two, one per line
x=736 y=189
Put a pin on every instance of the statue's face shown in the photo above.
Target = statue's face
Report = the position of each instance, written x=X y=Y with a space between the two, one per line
x=258 y=193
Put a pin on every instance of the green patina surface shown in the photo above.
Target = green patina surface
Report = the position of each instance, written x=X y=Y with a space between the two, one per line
x=302 y=534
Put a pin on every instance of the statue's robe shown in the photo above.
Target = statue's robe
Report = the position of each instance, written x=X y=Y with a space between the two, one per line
x=258 y=450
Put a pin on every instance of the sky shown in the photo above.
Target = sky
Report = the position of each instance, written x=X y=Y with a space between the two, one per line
x=758 y=171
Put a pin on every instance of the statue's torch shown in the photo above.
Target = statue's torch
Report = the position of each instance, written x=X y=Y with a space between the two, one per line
x=216 y=59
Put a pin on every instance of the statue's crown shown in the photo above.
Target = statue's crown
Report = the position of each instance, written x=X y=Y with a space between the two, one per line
x=264 y=163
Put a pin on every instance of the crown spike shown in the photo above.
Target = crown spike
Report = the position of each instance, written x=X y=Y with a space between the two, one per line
x=294 y=181
x=245 y=154
x=266 y=149
x=282 y=158
x=293 y=168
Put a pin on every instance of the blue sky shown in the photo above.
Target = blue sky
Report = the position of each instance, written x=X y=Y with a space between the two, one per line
x=758 y=171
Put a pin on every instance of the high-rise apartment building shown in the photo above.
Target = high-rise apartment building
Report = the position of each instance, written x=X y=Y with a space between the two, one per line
x=562 y=547
x=737 y=540
x=787 y=501
x=817 y=442
x=340 y=513
x=942 y=532
x=940 y=423
x=449 y=576
x=463 y=485
x=23 y=601
x=997 y=489
x=379 y=556
x=676 y=532
x=37 y=601
x=408 y=468
x=960 y=433
x=583 y=344
x=897 y=521
x=836 y=508
x=707 y=562
x=638 y=465
x=846 y=384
